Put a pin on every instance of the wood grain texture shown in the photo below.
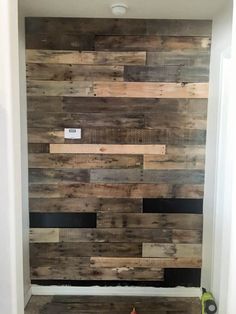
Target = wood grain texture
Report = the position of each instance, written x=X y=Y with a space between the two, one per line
x=186 y=262
x=172 y=250
x=85 y=57
x=47 y=235
x=107 y=149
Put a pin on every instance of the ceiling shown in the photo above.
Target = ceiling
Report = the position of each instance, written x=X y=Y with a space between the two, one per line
x=163 y=9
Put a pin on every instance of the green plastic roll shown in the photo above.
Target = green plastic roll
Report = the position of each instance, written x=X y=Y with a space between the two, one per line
x=208 y=303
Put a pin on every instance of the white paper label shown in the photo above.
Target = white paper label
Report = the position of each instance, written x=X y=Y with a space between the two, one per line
x=73 y=134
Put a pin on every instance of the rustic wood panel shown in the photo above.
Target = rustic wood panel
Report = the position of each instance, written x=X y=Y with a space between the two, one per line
x=47 y=235
x=172 y=250
x=152 y=43
x=85 y=57
x=107 y=149
x=72 y=72
x=186 y=262
x=89 y=204
x=131 y=190
x=160 y=221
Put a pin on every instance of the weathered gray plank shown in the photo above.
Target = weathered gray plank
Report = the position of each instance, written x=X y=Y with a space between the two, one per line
x=172 y=250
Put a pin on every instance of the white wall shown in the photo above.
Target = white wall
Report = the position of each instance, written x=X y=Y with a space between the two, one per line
x=215 y=213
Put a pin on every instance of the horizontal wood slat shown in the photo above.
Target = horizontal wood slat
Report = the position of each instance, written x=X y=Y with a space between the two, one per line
x=107 y=149
x=85 y=57
x=188 y=262
x=117 y=89
x=172 y=250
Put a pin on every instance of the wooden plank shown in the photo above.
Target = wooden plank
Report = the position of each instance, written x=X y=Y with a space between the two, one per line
x=58 y=175
x=116 y=235
x=77 y=249
x=117 y=89
x=152 y=43
x=131 y=190
x=150 y=90
x=166 y=74
x=88 y=120
x=187 y=236
x=107 y=149
x=38 y=148
x=85 y=57
x=147 y=176
x=172 y=250
x=47 y=235
x=160 y=221
x=113 y=105
x=85 y=161
x=186 y=262
x=72 y=72
x=90 y=204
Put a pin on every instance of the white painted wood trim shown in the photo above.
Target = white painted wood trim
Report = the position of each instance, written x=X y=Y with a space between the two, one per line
x=116 y=291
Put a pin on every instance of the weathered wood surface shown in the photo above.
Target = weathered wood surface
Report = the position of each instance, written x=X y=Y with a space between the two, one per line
x=182 y=262
x=172 y=250
x=72 y=72
x=86 y=57
x=117 y=89
x=107 y=149
x=111 y=304
x=120 y=205
x=44 y=235
x=132 y=190
x=152 y=43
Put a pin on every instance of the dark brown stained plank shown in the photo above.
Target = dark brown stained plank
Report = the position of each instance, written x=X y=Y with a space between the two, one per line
x=160 y=221
x=112 y=105
x=152 y=43
x=72 y=72
x=35 y=25
x=63 y=41
x=107 y=149
x=73 y=269
x=165 y=250
x=144 y=89
x=120 y=205
x=55 y=250
x=191 y=59
x=179 y=27
x=76 y=120
x=58 y=175
x=112 y=304
x=166 y=74
x=38 y=148
x=166 y=262
x=86 y=57
x=187 y=236
x=173 y=136
x=84 y=161
x=147 y=176
x=116 y=190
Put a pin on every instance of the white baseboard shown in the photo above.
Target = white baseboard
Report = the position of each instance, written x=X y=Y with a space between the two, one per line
x=116 y=291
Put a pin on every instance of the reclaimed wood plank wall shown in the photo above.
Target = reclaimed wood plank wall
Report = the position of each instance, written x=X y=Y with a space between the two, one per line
x=124 y=202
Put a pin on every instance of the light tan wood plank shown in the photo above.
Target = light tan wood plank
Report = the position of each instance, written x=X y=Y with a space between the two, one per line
x=106 y=149
x=172 y=250
x=145 y=262
x=44 y=235
x=85 y=57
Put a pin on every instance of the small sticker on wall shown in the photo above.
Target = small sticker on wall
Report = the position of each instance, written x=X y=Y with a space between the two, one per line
x=72 y=134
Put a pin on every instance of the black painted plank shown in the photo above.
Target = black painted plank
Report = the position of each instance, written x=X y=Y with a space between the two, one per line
x=62 y=220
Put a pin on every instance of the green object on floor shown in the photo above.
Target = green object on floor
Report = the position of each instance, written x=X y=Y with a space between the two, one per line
x=208 y=303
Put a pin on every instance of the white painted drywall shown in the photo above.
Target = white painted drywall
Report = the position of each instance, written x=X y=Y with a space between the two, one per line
x=11 y=260
x=215 y=210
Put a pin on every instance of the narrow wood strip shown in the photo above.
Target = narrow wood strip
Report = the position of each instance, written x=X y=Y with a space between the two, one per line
x=172 y=250
x=84 y=161
x=152 y=43
x=44 y=235
x=38 y=148
x=116 y=190
x=104 y=262
x=159 y=221
x=85 y=57
x=122 y=205
x=107 y=149
x=72 y=72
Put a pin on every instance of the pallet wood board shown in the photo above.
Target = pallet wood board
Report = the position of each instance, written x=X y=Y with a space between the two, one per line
x=172 y=250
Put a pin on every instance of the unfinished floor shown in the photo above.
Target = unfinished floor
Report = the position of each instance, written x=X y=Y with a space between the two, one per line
x=111 y=305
